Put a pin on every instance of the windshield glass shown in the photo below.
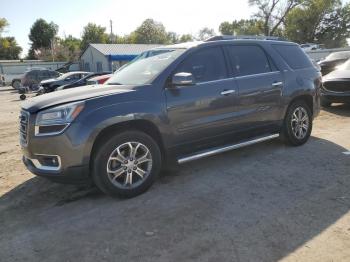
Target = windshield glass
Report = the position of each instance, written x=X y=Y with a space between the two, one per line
x=338 y=55
x=144 y=69
x=64 y=76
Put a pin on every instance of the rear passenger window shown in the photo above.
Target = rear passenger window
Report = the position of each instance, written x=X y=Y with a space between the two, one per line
x=294 y=56
x=205 y=65
x=248 y=60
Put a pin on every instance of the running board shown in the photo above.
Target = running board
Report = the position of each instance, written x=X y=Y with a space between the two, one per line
x=218 y=150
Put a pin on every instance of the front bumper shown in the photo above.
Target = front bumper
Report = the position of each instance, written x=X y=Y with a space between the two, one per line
x=60 y=157
x=335 y=97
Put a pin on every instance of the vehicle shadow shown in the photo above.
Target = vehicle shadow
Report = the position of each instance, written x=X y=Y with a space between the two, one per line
x=258 y=203
x=339 y=109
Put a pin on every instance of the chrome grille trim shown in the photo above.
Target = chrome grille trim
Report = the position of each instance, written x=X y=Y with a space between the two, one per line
x=23 y=127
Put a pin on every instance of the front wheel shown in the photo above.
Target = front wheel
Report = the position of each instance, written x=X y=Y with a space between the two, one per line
x=126 y=164
x=297 y=124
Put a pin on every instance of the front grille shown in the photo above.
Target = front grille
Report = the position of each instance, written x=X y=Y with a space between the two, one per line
x=23 y=127
x=337 y=86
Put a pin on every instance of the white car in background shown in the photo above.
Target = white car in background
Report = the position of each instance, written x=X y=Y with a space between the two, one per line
x=310 y=47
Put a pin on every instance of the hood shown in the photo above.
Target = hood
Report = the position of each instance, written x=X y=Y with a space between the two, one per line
x=71 y=95
x=337 y=74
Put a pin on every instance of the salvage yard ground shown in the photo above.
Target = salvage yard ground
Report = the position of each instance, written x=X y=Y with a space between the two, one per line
x=267 y=202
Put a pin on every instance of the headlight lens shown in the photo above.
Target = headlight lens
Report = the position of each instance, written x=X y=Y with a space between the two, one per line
x=55 y=120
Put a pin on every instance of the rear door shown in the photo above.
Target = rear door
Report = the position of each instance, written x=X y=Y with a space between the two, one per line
x=260 y=86
x=206 y=108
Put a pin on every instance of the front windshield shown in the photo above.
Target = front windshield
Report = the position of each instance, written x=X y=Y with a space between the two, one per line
x=144 y=69
x=338 y=55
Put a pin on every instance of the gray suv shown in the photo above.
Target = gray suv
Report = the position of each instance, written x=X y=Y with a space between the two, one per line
x=185 y=102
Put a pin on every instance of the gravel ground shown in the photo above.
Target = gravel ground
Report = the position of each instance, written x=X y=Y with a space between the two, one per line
x=266 y=202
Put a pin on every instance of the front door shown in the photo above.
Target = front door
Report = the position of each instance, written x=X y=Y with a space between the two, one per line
x=206 y=108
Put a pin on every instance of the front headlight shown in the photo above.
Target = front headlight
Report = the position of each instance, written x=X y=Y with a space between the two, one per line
x=56 y=120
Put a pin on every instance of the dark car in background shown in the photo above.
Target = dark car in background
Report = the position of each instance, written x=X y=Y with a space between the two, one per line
x=50 y=85
x=192 y=101
x=336 y=86
x=85 y=80
x=32 y=78
x=332 y=61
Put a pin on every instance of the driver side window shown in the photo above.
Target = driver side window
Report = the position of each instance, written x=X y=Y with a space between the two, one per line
x=205 y=65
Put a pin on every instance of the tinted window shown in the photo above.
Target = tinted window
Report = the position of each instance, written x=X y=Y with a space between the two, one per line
x=248 y=60
x=294 y=56
x=205 y=65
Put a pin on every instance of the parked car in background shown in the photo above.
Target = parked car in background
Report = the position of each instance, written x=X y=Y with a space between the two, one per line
x=69 y=67
x=99 y=80
x=192 y=101
x=2 y=80
x=32 y=78
x=50 y=85
x=85 y=80
x=332 y=61
x=336 y=86
x=310 y=47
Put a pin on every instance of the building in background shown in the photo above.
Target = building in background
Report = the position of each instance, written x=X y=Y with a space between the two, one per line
x=109 y=57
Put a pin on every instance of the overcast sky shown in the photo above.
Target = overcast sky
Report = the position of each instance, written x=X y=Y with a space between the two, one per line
x=180 y=16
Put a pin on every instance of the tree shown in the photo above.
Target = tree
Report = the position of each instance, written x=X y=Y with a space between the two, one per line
x=150 y=32
x=273 y=13
x=185 y=38
x=320 y=21
x=242 y=27
x=205 y=33
x=93 y=33
x=3 y=24
x=9 y=48
x=42 y=34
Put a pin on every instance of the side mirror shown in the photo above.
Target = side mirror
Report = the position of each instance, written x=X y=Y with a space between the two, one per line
x=183 y=79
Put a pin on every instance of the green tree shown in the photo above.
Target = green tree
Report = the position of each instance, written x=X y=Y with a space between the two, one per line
x=9 y=48
x=242 y=27
x=205 y=33
x=93 y=33
x=185 y=38
x=273 y=13
x=3 y=24
x=150 y=32
x=322 y=21
x=41 y=35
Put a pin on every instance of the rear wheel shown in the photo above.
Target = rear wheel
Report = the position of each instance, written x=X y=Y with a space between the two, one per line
x=297 y=125
x=126 y=164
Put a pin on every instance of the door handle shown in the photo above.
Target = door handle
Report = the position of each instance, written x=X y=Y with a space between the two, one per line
x=227 y=92
x=274 y=84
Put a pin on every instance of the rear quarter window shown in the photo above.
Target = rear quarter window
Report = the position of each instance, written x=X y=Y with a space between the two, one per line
x=294 y=56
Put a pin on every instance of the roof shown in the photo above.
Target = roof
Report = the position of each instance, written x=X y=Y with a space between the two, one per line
x=122 y=49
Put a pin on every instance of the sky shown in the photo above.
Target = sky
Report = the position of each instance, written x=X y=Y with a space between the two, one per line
x=180 y=16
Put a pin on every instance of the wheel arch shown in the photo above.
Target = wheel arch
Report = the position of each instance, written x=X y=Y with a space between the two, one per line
x=142 y=125
x=306 y=98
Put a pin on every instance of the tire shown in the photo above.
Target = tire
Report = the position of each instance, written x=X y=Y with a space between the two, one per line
x=16 y=84
x=291 y=132
x=123 y=166
x=22 y=97
x=325 y=103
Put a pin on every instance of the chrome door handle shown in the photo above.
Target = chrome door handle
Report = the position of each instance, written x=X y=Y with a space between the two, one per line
x=227 y=92
x=277 y=83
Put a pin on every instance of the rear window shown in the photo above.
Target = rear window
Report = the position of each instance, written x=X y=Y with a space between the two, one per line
x=294 y=56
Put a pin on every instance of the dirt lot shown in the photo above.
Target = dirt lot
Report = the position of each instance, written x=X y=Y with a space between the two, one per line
x=267 y=202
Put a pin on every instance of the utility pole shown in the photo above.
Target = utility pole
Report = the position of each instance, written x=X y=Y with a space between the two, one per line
x=111 y=35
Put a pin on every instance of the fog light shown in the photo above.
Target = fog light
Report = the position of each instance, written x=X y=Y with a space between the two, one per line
x=49 y=161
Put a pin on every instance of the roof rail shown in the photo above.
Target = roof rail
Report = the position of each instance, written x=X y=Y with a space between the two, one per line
x=256 y=37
